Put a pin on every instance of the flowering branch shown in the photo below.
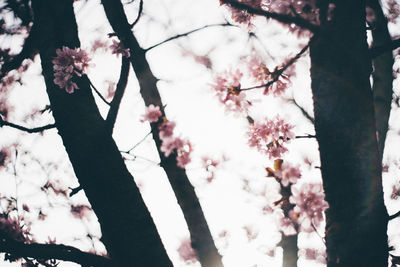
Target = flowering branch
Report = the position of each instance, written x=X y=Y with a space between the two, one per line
x=278 y=72
x=25 y=129
x=187 y=33
x=283 y=18
x=119 y=93
x=53 y=251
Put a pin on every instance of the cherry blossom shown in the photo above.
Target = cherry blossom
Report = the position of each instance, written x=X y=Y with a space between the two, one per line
x=242 y=16
x=152 y=114
x=166 y=129
x=183 y=148
x=4 y=157
x=310 y=204
x=227 y=88
x=186 y=251
x=67 y=63
x=270 y=136
x=118 y=49
x=288 y=174
x=80 y=211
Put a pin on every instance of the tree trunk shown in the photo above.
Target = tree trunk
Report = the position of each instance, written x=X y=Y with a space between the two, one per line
x=346 y=133
x=289 y=243
x=382 y=74
x=129 y=233
x=201 y=238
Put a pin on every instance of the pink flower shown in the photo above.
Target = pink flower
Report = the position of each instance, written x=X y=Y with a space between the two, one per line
x=152 y=114
x=310 y=204
x=227 y=89
x=270 y=136
x=186 y=251
x=166 y=129
x=80 y=211
x=4 y=157
x=288 y=173
x=242 y=16
x=67 y=63
x=117 y=48
x=183 y=149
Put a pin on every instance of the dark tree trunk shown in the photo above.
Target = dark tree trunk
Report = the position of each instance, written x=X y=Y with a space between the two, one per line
x=201 y=238
x=129 y=233
x=382 y=74
x=346 y=133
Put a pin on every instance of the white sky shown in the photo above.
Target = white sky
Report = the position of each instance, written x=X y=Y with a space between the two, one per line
x=191 y=104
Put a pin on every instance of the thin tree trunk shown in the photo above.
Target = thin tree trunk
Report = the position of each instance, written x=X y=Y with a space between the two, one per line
x=201 y=238
x=289 y=243
x=128 y=231
x=346 y=133
x=382 y=74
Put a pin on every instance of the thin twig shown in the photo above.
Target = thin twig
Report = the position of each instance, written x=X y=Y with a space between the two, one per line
x=189 y=32
x=139 y=14
x=25 y=129
x=283 y=18
x=97 y=92
x=119 y=93
x=394 y=216
x=305 y=136
x=137 y=144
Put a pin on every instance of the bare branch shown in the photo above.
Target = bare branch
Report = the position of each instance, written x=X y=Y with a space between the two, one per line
x=283 y=18
x=189 y=32
x=53 y=251
x=139 y=14
x=119 y=93
x=25 y=129
x=379 y=50
x=97 y=91
x=394 y=216
x=303 y=111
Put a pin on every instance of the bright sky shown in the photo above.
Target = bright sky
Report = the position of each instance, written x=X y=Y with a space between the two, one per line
x=185 y=89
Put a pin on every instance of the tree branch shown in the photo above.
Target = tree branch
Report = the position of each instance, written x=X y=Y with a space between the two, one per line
x=97 y=91
x=283 y=18
x=139 y=14
x=379 y=50
x=119 y=93
x=53 y=251
x=189 y=32
x=303 y=111
x=25 y=129
x=28 y=51
x=277 y=73
x=394 y=216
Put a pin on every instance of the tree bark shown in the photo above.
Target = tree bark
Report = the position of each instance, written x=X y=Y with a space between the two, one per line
x=382 y=74
x=289 y=243
x=346 y=133
x=128 y=231
x=201 y=238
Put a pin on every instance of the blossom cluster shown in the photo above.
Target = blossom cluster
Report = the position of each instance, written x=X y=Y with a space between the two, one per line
x=227 y=88
x=270 y=136
x=118 y=49
x=276 y=83
x=310 y=204
x=242 y=16
x=67 y=63
x=170 y=143
x=285 y=173
x=186 y=252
